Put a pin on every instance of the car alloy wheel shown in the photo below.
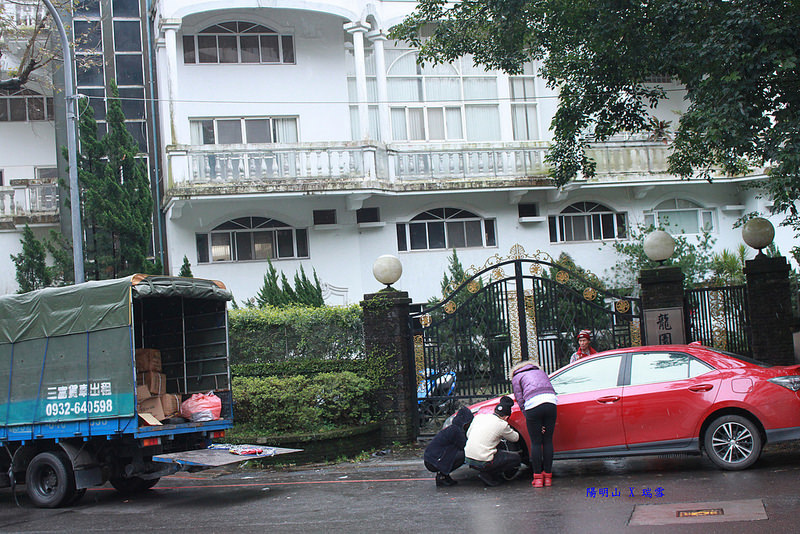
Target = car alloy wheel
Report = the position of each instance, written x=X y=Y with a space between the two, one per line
x=733 y=442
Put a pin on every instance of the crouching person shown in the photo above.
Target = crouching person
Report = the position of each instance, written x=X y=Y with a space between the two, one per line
x=445 y=453
x=484 y=436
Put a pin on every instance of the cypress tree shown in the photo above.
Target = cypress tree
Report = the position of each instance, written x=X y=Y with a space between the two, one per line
x=32 y=270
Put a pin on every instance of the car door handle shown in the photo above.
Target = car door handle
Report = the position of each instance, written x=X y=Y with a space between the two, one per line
x=701 y=387
x=608 y=400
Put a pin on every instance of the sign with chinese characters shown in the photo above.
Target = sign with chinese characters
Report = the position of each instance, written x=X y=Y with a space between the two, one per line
x=664 y=326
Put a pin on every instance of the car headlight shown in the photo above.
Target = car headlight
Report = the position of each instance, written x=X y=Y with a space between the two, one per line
x=789 y=382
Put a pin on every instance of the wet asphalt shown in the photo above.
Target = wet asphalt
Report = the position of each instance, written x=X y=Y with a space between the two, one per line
x=393 y=492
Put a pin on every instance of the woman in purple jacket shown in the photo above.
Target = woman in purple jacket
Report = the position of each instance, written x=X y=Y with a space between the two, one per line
x=537 y=398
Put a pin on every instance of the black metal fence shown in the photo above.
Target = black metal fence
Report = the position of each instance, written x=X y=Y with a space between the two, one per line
x=718 y=317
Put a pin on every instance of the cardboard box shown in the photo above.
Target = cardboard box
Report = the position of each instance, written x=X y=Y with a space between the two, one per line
x=171 y=404
x=155 y=382
x=148 y=360
x=142 y=393
x=153 y=407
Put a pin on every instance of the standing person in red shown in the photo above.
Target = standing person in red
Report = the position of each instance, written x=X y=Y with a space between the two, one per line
x=584 y=346
x=537 y=398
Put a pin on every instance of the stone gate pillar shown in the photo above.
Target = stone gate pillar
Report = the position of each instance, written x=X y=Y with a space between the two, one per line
x=663 y=303
x=770 y=306
x=386 y=333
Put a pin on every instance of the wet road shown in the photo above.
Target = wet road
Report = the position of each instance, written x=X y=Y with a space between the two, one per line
x=394 y=493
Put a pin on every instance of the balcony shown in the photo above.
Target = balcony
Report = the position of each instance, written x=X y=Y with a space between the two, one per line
x=26 y=203
x=211 y=169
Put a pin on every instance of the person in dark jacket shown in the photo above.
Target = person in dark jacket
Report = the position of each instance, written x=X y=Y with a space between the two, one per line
x=536 y=397
x=445 y=453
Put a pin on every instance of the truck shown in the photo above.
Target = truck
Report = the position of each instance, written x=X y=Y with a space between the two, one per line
x=71 y=413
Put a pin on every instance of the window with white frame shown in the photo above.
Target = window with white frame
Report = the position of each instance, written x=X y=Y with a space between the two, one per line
x=238 y=42
x=251 y=238
x=587 y=221
x=449 y=102
x=239 y=130
x=25 y=105
x=680 y=216
x=524 y=115
x=446 y=228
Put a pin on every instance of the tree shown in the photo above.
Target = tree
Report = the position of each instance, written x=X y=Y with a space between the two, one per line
x=739 y=61
x=31 y=266
x=26 y=34
x=304 y=293
x=186 y=269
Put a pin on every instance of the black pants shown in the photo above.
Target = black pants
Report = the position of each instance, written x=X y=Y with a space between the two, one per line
x=538 y=417
x=457 y=462
x=502 y=462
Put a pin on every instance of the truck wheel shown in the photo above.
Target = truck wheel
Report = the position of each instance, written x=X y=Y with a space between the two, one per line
x=49 y=480
x=132 y=485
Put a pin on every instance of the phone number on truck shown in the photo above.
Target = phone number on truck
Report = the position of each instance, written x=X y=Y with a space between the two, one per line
x=78 y=407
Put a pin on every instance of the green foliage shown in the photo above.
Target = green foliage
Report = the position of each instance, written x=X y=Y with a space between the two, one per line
x=31 y=266
x=186 y=269
x=738 y=60
x=694 y=259
x=300 y=367
x=304 y=293
x=272 y=334
x=301 y=404
x=728 y=266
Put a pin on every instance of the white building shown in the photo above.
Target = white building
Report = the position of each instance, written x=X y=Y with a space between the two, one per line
x=294 y=130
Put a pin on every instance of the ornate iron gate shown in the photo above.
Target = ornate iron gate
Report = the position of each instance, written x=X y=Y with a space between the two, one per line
x=718 y=317
x=511 y=309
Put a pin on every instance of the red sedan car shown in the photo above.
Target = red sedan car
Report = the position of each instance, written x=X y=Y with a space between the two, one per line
x=670 y=399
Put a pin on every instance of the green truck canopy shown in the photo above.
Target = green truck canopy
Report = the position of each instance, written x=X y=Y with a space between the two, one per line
x=91 y=306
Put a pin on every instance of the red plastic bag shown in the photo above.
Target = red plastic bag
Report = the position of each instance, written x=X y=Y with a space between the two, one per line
x=202 y=407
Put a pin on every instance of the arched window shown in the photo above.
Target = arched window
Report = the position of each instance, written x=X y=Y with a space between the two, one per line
x=587 y=221
x=238 y=42
x=252 y=238
x=445 y=228
x=679 y=216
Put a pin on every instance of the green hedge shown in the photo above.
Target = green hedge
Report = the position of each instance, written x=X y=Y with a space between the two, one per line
x=272 y=405
x=300 y=367
x=259 y=335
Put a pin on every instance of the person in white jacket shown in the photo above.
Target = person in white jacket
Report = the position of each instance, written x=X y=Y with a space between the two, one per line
x=484 y=436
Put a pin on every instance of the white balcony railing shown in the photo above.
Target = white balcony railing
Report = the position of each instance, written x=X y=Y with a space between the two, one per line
x=395 y=163
x=32 y=199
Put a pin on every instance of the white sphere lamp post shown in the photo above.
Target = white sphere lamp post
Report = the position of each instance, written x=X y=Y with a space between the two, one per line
x=659 y=246
x=387 y=269
x=758 y=233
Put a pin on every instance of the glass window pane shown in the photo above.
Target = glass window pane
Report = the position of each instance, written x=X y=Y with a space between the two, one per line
x=401 y=237
x=474 y=233
x=622 y=225
x=125 y=8
x=19 y=110
x=35 y=108
x=454 y=129
x=270 y=52
x=677 y=222
x=442 y=90
x=608 y=225
x=416 y=125
x=221 y=247
x=132 y=100
x=229 y=132
x=249 y=45
x=483 y=123
x=87 y=8
x=202 y=248
x=285 y=243
x=188 y=49
x=288 y=48
x=436 y=124
x=228 y=49
x=3 y=109
x=90 y=71
x=455 y=235
x=257 y=130
x=491 y=239
x=480 y=88
x=399 y=124
x=592 y=375
x=419 y=236
x=127 y=36
x=302 y=243
x=650 y=368
x=87 y=35
x=436 y=235
x=139 y=132
x=649 y=220
x=243 y=247
x=284 y=130
x=708 y=221
x=129 y=69
x=207 y=48
x=551 y=224
x=697 y=368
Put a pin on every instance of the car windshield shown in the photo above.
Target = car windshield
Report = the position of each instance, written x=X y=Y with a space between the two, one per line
x=740 y=357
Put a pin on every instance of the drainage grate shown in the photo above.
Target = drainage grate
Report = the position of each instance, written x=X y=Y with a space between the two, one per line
x=698 y=512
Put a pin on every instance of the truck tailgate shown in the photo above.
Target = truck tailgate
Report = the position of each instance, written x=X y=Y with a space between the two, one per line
x=217 y=457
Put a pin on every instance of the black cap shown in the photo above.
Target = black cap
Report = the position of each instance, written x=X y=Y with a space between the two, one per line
x=504 y=407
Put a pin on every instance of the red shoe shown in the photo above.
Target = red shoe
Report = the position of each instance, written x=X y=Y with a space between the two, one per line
x=538 y=480
x=548 y=479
